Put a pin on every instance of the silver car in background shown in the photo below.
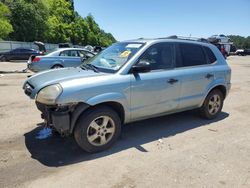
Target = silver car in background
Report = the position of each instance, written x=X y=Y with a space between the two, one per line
x=66 y=57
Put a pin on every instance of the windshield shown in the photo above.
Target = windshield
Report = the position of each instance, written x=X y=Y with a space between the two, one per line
x=114 y=57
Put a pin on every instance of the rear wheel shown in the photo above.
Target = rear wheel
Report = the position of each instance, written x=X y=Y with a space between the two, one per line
x=212 y=105
x=97 y=129
x=57 y=67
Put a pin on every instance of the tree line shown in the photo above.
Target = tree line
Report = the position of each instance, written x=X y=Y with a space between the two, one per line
x=51 y=21
x=240 y=42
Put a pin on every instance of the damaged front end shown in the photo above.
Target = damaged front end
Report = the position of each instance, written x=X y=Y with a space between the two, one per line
x=61 y=118
x=57 y=117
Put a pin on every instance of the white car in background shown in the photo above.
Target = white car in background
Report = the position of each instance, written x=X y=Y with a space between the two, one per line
x=219 y=38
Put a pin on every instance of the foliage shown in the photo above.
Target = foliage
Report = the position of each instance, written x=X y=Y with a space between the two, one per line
x=5 y=26
x=53 y=21
x=240 y=42
x=28 y=18
x=59 y=21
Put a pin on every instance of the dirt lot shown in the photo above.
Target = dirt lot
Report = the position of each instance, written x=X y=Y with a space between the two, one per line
x=179 y=150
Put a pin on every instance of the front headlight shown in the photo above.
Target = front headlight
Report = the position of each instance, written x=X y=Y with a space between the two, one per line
x=49 y=94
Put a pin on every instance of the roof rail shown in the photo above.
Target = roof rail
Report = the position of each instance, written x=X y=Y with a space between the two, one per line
x=186 y=38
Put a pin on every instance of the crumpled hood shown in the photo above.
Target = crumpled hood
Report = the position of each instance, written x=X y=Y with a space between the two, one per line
x=40 y=80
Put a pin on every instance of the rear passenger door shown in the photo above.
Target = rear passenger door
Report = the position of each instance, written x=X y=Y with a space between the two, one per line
x=70 y=58
x=197 y=73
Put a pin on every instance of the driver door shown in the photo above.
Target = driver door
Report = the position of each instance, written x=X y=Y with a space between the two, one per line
x=158 y=91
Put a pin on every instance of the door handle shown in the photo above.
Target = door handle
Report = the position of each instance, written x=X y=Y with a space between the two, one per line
x=208 y=76
x=172 y=81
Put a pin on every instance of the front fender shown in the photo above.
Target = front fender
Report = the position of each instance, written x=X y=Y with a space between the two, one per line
x=111 y=97
x=107 y=97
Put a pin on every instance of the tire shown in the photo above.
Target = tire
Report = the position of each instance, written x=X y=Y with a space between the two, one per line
x=212 y=105
x=57 y=67
x=91 y=129
x=3 y=59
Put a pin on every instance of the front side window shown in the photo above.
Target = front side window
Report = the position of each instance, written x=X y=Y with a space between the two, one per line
x=192 y=55
x=115 y=56
x=160 y=56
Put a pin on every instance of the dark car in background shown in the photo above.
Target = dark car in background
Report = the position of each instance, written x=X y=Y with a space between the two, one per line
x=19 y=54
x=242 y=52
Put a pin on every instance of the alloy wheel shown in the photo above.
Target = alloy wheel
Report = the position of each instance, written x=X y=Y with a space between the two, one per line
x=214 y=104
x=100 y=131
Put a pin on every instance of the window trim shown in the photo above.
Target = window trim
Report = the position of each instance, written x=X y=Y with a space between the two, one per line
x=208 y=61
x=157 y=70
x=181 y=59
x=70 y=52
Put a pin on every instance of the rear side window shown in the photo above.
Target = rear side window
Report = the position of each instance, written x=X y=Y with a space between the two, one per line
x=69 y=53
x=210 y=55
x=192 y=55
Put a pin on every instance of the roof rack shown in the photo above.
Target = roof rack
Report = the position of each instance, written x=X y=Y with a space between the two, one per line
x=186 y=38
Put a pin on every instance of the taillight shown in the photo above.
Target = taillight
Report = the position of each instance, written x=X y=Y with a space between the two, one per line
x=36 y=59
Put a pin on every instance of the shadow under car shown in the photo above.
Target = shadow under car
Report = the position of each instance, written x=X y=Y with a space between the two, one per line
x=56 y=151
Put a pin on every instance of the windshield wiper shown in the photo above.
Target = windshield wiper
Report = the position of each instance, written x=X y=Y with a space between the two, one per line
x=89 y=67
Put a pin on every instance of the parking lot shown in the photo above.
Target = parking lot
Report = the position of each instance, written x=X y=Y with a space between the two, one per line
x=180 y=150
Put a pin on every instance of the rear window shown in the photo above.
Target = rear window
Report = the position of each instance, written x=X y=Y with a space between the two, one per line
x=192 y=55
x=210 y=55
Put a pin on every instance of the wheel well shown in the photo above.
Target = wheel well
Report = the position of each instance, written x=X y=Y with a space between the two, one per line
x=59 y=65
x=222 y=89
x=82 y=109
x=116 y=107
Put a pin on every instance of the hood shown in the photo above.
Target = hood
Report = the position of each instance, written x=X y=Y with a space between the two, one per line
x=40 y=80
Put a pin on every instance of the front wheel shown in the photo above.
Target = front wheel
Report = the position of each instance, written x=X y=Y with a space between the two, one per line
x=97 y=129
x=212 y=105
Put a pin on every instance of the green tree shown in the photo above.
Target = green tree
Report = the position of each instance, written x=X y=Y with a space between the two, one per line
x=53 y=21
x=96 y=36
x=5 y=26
x=59 y=21
x=79 y=30
x=87 y=31
x=28 y=19
x=240 y=42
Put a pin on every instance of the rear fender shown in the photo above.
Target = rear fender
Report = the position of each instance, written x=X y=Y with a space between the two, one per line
x=218 y=82
x=56 y=63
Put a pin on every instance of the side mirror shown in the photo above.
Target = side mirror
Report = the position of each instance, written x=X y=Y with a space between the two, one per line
x=142 y=66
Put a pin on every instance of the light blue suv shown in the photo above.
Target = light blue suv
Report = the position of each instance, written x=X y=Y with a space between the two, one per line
x=127 y=82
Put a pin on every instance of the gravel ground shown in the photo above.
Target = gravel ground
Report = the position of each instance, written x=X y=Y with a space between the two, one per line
x=179 y=150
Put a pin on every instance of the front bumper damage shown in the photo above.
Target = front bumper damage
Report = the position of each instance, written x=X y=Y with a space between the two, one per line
x=56 y=117
x=61 y=118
